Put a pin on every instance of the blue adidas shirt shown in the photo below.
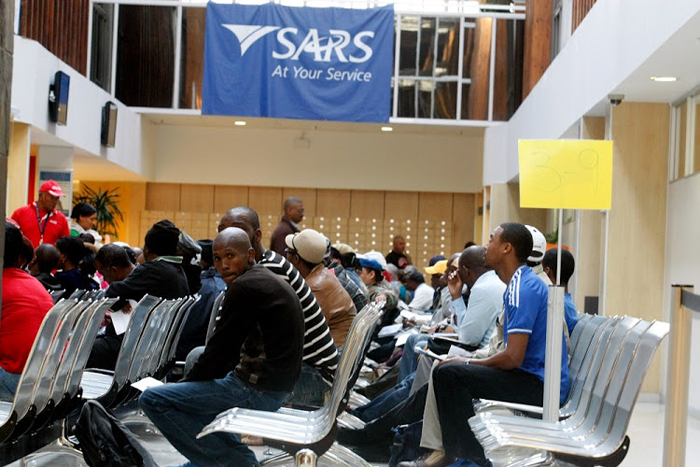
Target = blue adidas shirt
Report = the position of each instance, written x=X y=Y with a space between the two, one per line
x=570 y=313
x=525 y=302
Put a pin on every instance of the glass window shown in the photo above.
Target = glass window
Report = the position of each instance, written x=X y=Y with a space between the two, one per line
x=101 y=47
x=192 y=58
x=146 y=67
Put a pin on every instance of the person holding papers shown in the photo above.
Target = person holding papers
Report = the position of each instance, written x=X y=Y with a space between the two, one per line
x=515 y=374
x=161 y=275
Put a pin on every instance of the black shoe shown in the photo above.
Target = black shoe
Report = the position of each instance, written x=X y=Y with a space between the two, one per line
x=353 y=437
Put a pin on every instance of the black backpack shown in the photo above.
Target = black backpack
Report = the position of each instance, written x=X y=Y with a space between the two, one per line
x=105 y=441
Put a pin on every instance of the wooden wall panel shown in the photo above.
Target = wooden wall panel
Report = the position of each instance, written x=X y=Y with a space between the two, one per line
x=197 y=198
x=463 y=220
x=367 y=204
x=333 y=203
x=538 y=42
x=435 y=206
x=59 y=25
x=227 y=197
x=401 y=205
x=265 y=200
x=478 y=97
x=637 y=219
x=593 y=127
x=580 y=10
x=163 y=197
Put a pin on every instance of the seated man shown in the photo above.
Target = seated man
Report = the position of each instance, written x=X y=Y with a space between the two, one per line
x=194 y=332
x=422 y=293
x=549 y=265
x=45 y=260
x=25 y=302
x=161 y=275
x=305 y=250
x=252 y=360
x=320 y=355
x=515 y=374
x=478 y=320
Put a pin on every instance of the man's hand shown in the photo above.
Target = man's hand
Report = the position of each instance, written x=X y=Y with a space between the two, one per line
x=455 y=284
x=453 y=359
x=126 y=309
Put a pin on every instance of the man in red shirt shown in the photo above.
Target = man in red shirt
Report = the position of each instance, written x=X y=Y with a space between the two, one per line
x=24 y=304
x=40 y=221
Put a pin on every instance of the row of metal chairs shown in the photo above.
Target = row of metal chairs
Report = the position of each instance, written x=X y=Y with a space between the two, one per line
x=55 y=382
x=306 y=435
x=609 y=360
x=49 y=386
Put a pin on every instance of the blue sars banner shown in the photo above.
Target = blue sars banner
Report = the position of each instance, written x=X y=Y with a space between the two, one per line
x=290 y=62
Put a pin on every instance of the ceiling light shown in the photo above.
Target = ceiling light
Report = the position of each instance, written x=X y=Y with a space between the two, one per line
x=664 y=79
x=387 y=128
x=239 y=123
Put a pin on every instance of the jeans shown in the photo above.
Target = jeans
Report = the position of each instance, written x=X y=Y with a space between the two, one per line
x=8 y=385
x=457 y=384
x=310 y=389
x=409 y=359
x=181 y=410
x=383 y=403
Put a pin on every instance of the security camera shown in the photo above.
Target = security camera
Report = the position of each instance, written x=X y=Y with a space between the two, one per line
x=616 y=99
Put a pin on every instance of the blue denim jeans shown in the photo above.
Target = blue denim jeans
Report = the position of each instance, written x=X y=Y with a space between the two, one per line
x=386 y=401
x=310 y=389
x=8 y=385
x=409 y=360
x=181 y=410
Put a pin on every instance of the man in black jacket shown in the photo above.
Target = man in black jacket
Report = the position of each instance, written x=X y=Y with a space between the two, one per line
x=252 y=360
x=161 y=275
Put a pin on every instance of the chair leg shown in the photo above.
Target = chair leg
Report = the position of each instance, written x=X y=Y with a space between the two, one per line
x=346 y=455
x=305 y=458
x=279 y=459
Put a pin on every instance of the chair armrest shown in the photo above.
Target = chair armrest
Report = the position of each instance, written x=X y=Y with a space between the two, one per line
x=486 y=405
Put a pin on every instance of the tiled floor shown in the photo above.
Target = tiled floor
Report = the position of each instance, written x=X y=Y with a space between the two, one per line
x=645 y=432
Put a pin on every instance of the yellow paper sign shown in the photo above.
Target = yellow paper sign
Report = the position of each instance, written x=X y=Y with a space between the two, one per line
x=574 y=174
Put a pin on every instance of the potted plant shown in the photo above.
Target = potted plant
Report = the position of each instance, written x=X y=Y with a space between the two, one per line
x=107 y=205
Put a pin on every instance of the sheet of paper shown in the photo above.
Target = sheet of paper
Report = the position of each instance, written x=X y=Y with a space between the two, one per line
x=390 y=330
x=459 y=352
x=146 y=383
x=429 y=353
x=120 y=320
x=574 y=174
x=403 y=337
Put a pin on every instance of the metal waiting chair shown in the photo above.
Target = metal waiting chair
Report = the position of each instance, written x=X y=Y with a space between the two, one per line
x=584 y=343
x=303 y=434
x=601 y=438
x=106 y=386
x=21 y=407
x=214 y=316
x=603 y=363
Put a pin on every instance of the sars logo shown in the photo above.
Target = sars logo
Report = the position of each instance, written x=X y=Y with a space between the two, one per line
x=323 y=48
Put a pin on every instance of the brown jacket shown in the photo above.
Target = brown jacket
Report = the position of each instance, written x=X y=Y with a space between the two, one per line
x=337 y=306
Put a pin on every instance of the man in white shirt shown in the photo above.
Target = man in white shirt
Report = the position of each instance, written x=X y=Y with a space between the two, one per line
x=422 y=292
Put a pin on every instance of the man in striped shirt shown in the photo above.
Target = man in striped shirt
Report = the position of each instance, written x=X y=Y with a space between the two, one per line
x=320 y=355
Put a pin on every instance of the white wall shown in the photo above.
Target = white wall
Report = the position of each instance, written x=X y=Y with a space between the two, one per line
x=363 y=160
x=33 y=71
x=683 y=259
x=614 y=39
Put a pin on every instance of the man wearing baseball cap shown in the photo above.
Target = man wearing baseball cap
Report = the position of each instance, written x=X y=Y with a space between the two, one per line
x=305 y=250
x=40 y=221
